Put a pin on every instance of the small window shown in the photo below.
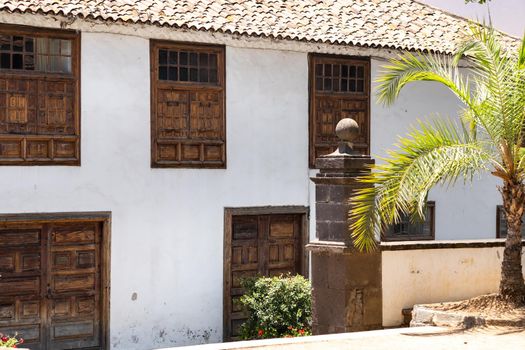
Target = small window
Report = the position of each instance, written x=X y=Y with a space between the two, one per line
x=342 y=77
x=188 y=121
x=339 y=88
x=407 y=229
x=187 y=66
x=501 y=223
x=39 y=94
x=30 y=53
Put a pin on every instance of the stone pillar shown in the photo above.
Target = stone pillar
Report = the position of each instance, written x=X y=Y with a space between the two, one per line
x=346 y=284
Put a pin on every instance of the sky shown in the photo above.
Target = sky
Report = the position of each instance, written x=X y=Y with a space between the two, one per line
x=507 y=15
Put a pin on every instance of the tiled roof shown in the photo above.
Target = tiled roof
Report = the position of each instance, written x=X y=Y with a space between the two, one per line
x=398 y=24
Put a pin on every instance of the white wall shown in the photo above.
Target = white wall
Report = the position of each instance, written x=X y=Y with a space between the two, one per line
x=425 y=276
x=464 y=211
x=167 y=227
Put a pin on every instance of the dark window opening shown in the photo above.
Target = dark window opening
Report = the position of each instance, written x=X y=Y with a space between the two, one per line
x=187 y=66
x=408 y=229
x=501 y=223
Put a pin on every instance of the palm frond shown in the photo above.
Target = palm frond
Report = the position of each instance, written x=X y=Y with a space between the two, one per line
x=409 y=68
x=438 y=152
x=490 y=132
x=497 y=79
x=521 y=54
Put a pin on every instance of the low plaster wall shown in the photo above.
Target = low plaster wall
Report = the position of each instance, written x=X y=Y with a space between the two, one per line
x=416 y=273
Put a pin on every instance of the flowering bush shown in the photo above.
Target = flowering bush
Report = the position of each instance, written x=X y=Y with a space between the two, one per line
x=277 y=306
x=10 y=342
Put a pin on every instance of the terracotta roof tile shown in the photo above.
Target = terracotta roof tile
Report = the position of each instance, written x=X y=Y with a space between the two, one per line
x=399 y=24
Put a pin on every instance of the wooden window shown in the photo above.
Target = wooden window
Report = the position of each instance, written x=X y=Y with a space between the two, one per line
x=188 y=119
x=39 y=96
x=501 y=223
x=339 y=88
x=407 y=229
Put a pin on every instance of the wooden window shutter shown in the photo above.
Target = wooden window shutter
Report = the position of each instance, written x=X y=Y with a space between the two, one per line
x=339 y=88
x=39 y=96
x=188 y=126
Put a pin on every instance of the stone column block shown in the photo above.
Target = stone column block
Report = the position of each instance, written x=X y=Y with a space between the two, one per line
x=347 y=293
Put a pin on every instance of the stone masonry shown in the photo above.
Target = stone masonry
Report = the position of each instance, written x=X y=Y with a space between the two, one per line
x=346 y=284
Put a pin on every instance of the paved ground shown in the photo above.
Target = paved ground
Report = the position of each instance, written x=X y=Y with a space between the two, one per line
x=419 y=338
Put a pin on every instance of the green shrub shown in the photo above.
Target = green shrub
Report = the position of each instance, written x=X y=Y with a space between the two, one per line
x=278 y=307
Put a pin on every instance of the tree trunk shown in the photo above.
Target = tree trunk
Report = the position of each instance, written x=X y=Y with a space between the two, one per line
x=512 y=286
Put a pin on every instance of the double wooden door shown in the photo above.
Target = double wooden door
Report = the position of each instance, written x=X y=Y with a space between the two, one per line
x=51 y=290
x=258 y=245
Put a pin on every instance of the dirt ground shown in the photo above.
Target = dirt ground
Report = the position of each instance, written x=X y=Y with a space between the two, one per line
x=491 y=307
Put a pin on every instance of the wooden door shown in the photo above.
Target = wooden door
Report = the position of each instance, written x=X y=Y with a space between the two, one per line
x=258 y=245
x=52 y=291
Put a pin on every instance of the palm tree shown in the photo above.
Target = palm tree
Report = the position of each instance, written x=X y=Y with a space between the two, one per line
x=488 y=136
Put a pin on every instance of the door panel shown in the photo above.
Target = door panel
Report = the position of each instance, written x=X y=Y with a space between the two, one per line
x=51 y=284
x=284 y=245
x=21 y=284
x=246 y=254
x=74 y=286
x=258 y=245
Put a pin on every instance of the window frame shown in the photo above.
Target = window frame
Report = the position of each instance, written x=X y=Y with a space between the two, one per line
x=74 y=76
x=499 y=209
x=313 y=59
x=431 y=205
x=155 y=83
x=499 y=214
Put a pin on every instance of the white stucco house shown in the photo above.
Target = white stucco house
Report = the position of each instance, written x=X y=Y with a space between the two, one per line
x=148 y=146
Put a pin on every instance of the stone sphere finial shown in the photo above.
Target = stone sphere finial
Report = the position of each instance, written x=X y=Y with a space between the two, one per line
x=347 y=130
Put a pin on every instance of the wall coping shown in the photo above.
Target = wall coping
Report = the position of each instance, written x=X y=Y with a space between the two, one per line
x=456 y=244
x=328 y=246
x=341 y=247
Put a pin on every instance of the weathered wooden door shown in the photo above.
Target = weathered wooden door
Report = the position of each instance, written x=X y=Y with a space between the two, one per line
x=51 y=285
x=258 y=245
